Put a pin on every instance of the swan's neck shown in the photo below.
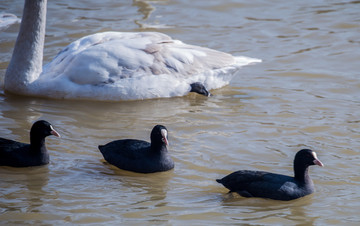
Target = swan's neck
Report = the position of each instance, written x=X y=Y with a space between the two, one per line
x=26 y=62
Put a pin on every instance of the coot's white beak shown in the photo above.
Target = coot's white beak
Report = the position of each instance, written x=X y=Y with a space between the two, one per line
x=164 y=136
x=317 y=161
x=53 y=132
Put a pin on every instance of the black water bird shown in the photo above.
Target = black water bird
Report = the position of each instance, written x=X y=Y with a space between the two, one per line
x=17 y=154
x=262 y=184
x=140 y=156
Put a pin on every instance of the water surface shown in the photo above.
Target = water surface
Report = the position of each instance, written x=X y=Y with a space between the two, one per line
x=305 y=94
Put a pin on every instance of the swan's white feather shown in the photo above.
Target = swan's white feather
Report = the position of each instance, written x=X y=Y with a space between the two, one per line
x=121 y=65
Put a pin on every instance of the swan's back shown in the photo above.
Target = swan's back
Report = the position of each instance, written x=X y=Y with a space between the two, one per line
x=138 y=66
x=119 y=55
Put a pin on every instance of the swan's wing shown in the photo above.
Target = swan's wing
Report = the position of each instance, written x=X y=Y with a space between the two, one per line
x=119 y=66
x=111 y=56
x=174 y=56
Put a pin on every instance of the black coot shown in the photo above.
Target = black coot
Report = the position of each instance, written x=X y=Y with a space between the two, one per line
x=275 y=186
x=13 y=153
x=140 y=156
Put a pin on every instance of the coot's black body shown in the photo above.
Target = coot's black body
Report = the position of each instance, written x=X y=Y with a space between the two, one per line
x=140 y=156
x=17 y=154
x=275 y=186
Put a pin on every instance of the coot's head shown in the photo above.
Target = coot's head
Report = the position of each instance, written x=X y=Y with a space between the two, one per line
x=43 y=128
x=307 y=157
x=159 y=135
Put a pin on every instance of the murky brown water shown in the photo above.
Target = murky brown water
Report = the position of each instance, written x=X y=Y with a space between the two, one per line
x=305 y=94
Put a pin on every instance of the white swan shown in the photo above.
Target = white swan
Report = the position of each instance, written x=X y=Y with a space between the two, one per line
x=113 y=65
